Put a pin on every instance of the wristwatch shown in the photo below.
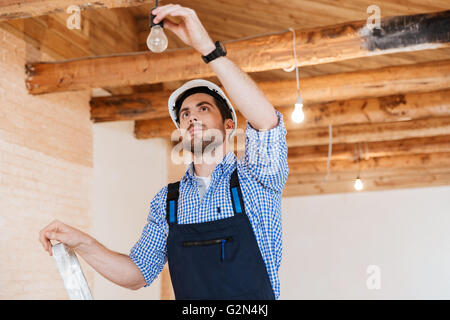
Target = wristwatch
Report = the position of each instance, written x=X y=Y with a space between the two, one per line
x=220 y=51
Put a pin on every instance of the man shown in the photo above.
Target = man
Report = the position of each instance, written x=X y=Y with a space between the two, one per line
x=219 y=227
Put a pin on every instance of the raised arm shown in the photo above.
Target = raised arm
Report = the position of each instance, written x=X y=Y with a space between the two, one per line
x=243 y=91
x=245 y=94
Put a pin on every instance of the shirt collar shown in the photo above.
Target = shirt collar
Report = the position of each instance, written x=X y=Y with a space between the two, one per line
x=224 y=167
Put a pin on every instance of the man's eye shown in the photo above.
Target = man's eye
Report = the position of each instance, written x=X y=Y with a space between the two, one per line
x=203 y=108
x=184 y=115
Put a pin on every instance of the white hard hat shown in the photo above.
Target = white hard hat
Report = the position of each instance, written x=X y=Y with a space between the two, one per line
x=199 y=83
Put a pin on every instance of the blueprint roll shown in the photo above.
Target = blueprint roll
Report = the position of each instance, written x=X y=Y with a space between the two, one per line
x=70 y=270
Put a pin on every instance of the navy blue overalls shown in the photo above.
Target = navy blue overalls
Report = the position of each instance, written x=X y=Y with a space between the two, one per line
x=216 y=259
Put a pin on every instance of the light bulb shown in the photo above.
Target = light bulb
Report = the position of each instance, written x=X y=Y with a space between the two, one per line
x=297 y=115
x=157 y=40
x=358 y=184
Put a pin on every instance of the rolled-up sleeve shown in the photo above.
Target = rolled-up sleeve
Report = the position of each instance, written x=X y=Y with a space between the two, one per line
x=266 y=155
x=150 y=251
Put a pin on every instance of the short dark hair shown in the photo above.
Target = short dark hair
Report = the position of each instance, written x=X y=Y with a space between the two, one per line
x=221 y=103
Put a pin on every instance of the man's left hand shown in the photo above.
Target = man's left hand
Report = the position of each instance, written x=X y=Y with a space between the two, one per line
x=190 y=30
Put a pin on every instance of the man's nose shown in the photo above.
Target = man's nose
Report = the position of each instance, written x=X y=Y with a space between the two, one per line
x=192 y=118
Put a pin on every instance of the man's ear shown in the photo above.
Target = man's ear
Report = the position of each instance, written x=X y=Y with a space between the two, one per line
x=229 y=124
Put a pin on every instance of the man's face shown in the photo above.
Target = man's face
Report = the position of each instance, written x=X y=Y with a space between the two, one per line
x=201 y=123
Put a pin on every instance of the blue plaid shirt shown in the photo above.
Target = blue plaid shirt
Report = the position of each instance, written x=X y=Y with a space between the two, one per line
x=262 y=175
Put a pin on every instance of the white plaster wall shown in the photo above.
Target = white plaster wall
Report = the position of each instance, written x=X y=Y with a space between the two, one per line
x=127 y=175
x=330 y=240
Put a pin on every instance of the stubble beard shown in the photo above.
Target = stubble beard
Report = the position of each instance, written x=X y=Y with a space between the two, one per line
x=208 y=143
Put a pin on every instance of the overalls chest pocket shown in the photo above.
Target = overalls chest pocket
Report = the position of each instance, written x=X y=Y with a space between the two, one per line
x=222 y=243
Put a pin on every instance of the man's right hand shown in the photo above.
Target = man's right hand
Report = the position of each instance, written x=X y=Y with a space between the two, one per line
x=114 y=266
x=64 y=233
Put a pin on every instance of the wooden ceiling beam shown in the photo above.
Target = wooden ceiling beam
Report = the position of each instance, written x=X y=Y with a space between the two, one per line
x=322 y=177
x=314 y=46
x=381 y=182
x=317 y=116
x=97 y=35
x=394 y=134
x=19 y=9
x=344 y=151
x=353 y=133
x=380 y=82
x=410 y=161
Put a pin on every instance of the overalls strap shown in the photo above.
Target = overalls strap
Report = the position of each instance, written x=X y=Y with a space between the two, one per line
x=236 y=194
x=173 y=193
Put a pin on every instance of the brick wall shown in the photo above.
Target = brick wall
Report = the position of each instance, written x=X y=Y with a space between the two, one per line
x=45 y=173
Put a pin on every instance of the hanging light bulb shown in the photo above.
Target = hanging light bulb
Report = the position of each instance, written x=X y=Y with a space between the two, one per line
x=297 y=115
x=157 y=40
x=358 y=184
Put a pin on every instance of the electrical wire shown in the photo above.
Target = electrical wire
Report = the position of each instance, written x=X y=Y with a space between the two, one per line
x=367 y=155
x=357 y=161
x=295 y=58
x=330 y=150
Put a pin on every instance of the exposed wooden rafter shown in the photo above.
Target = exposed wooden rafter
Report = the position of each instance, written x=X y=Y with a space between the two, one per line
x=336 y=87
x=97 y=35
x=379 y=182
x=378 y=164
x=359 y=111
x=352 y=133
x=394 y=138
x=314 y=46
x=19 y=9
x=379 y=173
x=367 y=150
x=350 y=175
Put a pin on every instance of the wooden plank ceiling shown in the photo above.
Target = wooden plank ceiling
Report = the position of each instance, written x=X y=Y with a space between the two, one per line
x=390 y=112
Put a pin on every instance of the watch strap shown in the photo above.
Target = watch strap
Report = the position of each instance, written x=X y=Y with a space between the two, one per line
x=217 y=52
